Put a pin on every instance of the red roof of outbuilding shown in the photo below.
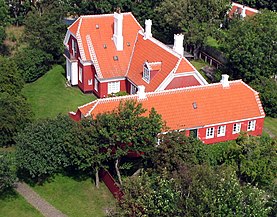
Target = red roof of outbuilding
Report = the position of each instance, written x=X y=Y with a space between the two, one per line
x=237 y=8
x=215 y=104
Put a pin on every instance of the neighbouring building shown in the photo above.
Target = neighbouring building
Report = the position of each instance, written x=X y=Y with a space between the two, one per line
x=110 y=53
x=213 y=113
x=241 y=10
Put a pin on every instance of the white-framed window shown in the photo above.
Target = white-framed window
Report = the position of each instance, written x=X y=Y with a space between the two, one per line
x=74 y=47
x=210 y=132
x=236 y=128
x=113 y=87
x=221 y=130
x=80 y=74
x=146 y=73
x=96 y=84
x=90 y=82
x=251 y=125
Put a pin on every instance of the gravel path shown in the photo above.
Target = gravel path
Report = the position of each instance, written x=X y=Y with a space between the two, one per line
x=39 y=203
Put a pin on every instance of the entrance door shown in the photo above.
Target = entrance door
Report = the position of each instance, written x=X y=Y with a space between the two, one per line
x=193 y=133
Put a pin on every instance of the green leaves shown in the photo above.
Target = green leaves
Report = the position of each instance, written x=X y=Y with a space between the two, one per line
x=7 y=175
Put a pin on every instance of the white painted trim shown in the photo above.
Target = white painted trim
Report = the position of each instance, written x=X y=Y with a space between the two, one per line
x=103 y=80
x=239 y=128
x=70 y=59
x=221 y=134
x=131 y=57
x=85 y=63
x=234 y=121
x=213 y=133
x=66 y=38
x=252 y=128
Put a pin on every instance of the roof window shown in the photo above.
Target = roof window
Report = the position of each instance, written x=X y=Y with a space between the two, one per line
x=128 y=44
x=194 y=105
x=105 y=46
x=115 y=58
x=97 y=26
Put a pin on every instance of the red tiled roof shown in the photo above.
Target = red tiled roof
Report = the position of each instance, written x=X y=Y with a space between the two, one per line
x=215 y=104
x=85 y=27
x=184 y=81
x=184 y=66
x=149 y=50
x=238 y=8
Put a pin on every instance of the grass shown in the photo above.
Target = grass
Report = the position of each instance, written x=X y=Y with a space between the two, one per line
x=270 y=126
x=199 y=64
x=14 y=205
x=50 y=96
x=212 y=42
x=76 y=198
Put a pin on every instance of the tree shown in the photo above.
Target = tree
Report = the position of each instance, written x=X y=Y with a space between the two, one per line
x=40 y=147
x=267 y=87
x=195 y=19
x=128 y=128
x=250 y=47
x=32 y=63
x=7 y=175
x=4 y=14
x=85 y=151
x=45 y=31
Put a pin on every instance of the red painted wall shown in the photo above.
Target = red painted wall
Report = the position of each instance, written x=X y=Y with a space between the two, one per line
x=70 y=46
x=103 y=88
x=76 y=116
x=229 y=132
x=88 y=73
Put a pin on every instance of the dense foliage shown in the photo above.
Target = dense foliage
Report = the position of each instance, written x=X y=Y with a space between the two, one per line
x=202 y=180
x=14 y=110
x=32 y=63
x=7 y=174
x=40 y=147
x=195 y=19
x=260 y=4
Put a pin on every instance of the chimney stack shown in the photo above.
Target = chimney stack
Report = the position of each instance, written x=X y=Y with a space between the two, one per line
x=224 y=80
x=178 y=43
x=118 y=27
x=141 y=92
x=147 y=32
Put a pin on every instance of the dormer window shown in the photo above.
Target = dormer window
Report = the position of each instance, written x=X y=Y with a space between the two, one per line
x=146 y=72
x=150 y=69
x=74 y=48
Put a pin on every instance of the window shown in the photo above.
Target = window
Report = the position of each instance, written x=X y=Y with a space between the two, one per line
x=74 y=48
x=210 y=132
x=133 y=89
x=221 y=130
x=90 y=82
x=146 y=74
x=236 y=128
x=251 y=125
x=96 y=84
x=80 y=74
x=113 y=87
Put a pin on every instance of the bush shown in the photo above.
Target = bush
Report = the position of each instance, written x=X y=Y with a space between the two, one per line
x=32 y=63
x=7 y=175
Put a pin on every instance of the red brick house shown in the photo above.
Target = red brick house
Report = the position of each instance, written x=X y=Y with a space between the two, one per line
x=241 y=10
x=213 y=113
x=110 y=53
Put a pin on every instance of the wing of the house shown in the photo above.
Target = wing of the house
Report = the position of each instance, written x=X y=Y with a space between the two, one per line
x=110 y=53
x=214 y=112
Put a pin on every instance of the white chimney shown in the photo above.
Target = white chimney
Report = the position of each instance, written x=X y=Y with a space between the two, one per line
x=243 y=12
x=118 y=26
x=147 y=32
x=224 y=80
x=141 y=92
x=178 y=43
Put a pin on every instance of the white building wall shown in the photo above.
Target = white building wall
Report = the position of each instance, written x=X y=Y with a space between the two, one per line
x=74 y=73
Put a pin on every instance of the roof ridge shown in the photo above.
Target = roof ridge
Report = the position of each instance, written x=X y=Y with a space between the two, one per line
x=103 y=15
x=162 y=45
x=132 y=54
x=93 y=56
x=96 y=103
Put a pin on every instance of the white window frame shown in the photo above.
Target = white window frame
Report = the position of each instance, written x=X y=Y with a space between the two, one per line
x=89 y=82
x=74 y=47
x=81 y=74
x=251 y=125
x=96 y=84
x=221 y=130
x=146 y=73
x=113 y=87
x=210 y=133
x=236 y=128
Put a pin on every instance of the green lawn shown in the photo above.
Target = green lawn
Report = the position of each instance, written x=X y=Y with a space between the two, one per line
x=76 y=198
x=198 y=64
x=270 y=126
x=14 y=205
x=49 y=95
x=212 y=42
